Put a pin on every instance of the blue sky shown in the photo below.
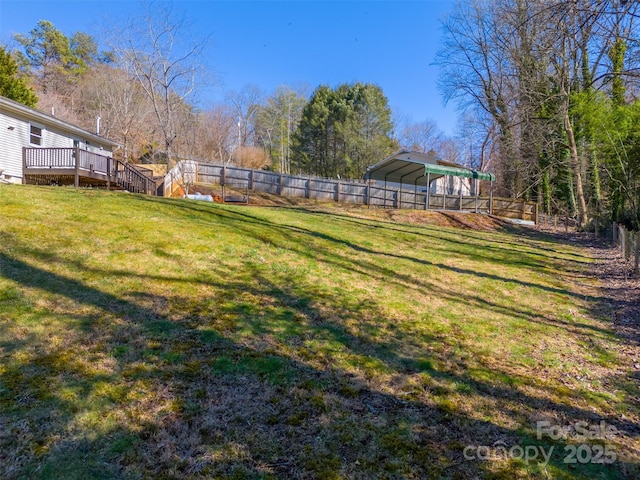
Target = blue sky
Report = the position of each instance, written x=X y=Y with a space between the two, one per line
x=272 y=43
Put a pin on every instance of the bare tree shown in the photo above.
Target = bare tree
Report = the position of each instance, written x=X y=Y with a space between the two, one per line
x=123 y=108
x=477 y=73
x=276 y=122
x=251 y=157
x=419 y=137
x=159 y=52
x=244 y=106
x=214 y=135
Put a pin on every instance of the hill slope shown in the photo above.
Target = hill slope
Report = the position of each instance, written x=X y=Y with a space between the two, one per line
x=162 y=338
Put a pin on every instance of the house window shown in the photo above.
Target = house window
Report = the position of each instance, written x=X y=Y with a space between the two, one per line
x=36 y=135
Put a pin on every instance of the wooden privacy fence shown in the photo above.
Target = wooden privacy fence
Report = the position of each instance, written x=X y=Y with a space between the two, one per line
x=362 y=193
x=629 y=244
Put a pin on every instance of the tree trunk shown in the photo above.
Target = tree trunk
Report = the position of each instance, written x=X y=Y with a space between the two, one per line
x=577 y=171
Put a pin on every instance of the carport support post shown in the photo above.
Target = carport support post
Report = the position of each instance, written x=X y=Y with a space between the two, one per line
x=444 y=192
x=460 y=206
x=477 y=182
x=427 y=199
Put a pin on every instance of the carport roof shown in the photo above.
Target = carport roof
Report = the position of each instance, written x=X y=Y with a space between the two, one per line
x=413 y=167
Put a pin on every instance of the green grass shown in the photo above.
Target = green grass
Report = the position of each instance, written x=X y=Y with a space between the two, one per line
x=162 y=338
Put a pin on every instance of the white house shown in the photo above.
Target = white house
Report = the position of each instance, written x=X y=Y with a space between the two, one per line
x=21 y=126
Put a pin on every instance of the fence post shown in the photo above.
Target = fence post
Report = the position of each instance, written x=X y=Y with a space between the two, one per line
x=491 y=199
x=223 y=179
x=623 y=241
x=308 y=191
x=366 y=195
x=251 y=180
x=614 y=233
x=280 y=184
x=338 y=191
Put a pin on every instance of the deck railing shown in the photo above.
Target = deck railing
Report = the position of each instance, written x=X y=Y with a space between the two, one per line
x=133 y=180
x=79 y=161
x=49 y=158
x=95 y=162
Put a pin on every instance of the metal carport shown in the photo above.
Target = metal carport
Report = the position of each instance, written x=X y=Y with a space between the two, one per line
x=413 y=168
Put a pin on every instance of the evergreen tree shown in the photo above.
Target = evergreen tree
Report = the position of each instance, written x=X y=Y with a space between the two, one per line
x=343 y=130
x=55 y=60
x=12 y=85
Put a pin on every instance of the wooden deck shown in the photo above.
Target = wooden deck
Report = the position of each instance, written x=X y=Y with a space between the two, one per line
x=75 y=166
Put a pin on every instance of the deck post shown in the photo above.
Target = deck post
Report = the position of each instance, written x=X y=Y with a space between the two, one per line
x=77 y=166
x=108 y=173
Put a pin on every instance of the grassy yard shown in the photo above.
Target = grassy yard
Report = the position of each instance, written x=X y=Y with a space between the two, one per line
x=163 y=338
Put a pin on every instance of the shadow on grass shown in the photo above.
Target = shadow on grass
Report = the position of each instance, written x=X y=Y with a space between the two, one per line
x=528 y=237
x=242 y=220
x=291 y=381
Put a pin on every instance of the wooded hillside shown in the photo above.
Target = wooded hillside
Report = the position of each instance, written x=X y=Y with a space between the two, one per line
x=548 y=93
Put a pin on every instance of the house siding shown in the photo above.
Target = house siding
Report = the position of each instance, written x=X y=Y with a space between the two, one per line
x=15 y=133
